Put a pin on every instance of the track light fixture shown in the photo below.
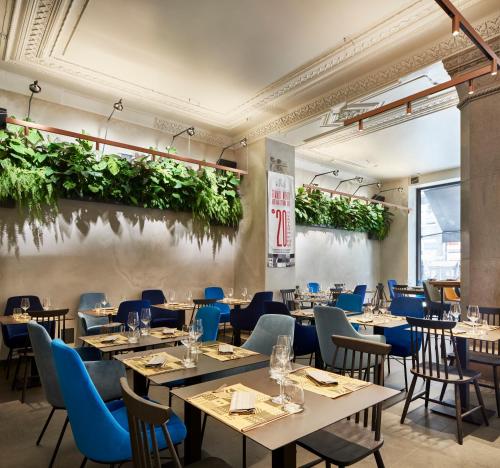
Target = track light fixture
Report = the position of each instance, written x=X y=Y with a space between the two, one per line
x=494 y=67
x=399 y=189
x=243 y=143
x=455 y=25
x=378 y=184
x=35 y=89
x=190 y=131
x=335 y=172
x=471 y=87
x=359 y=180
x=409 y=110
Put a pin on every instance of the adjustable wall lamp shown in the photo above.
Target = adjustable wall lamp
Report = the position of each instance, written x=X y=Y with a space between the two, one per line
x=117 y=106
x=190 y=131
x=399 y=189
x=359 y=180
x=335 y=172
x=243 y=143
x=378 y=184
x=35 y=89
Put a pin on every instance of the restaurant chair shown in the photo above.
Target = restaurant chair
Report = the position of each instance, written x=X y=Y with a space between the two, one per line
x=433 y=301
x=104 y=374
x=451 y=295
x=198 y=304
x=15 y=336
x=130 y=306
x=333 y=321
x=313 y=287
x=100 y=430
x=305 y=341
x=430 y=363
x=288 y=298
x=160 y=317
x=391 y=285
x=334 y=294
x=144 y=419
x=91 y=325
x=266 y=332
x=89 y=300
x=360 y=290
x=348 y=442
x=210 y=318
x=398 y=337
x=350 y=302
x=215 y=292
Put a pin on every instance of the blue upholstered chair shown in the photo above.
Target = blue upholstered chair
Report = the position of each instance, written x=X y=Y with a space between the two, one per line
x=16 y=336
x=210 y=317
x=390 y=285
x=360 y=290
x=130 y=306
x=100 y=430
x=214 y=292
x=160 y=317
x=350 y=302
x=333 y=321
x=399 y=338
x=104 y=374
x=313 y=287
x=246 y=319
x=91 y=325
x=266 y=332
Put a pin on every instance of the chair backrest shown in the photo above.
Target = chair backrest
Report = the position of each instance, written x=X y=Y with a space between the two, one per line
x=215 y=292
x=89 y=300
x=198 y=303
x=288 y=298
x=431 y=360
x=143 y=416
x=15 y=302
x=432 y=294
x=350 y=302
x=332 y=321
x=41 y=341
x=390 y=285
x=363 y=360
x=492 y=317
x=54 y=321
x=88 y=321
x=450 y=294
x=360 y=290
x=266 y=332
x=210 y=317
x=130 y=306
x=340 y=286
x=335 y=293
x=154 y=296
x=275 y=307
x=98 y=435
x=313 y=287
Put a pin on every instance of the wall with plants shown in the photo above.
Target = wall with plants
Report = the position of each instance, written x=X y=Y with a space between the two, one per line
x=315 y=208
x=36 y=171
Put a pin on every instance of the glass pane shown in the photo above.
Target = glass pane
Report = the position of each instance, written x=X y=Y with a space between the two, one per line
x=439 y=234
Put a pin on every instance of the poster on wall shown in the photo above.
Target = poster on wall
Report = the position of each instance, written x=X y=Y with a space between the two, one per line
x=280 y=220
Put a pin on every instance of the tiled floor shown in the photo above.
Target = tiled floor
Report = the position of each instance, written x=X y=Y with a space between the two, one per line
x=425 y=440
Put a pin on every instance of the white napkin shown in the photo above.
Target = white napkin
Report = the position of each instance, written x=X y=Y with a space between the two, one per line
x=156 y=361
x=109 y=339
x=226 y=349
x=242 y=402
x=321 y=377
x=169 y=331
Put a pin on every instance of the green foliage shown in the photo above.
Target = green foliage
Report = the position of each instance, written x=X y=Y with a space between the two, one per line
x=35 y=172
x=314 y=208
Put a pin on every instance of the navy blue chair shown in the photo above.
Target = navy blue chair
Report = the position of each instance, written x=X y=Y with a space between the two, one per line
x=399 y=338
x=16 y=337
x=360 y=290
x=350 y=302
x=433 y=301
x=247 y=318
x=160 y=317
x=390 y=285
x=214 y=292
x=313 y=287
x=130 y=306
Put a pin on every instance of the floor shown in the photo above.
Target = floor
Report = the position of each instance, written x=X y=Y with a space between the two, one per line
x=425 y=440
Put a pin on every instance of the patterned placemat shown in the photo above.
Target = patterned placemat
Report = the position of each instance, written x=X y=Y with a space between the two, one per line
x=158 y=333
x=216 y=403
x=139 y=364
x=360 y=320
x=98 y=343
x=345 y=384
x=238 y=353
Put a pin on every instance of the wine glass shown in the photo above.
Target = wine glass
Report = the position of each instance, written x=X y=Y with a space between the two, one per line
x=46 y=303
x=455 y=311
x=188 y=337
x=198 y=333
x=244 y=293
x=25 y=304
x=282 y=369
x=189 y=296
x=274 y=361
x=171 y=296
x=473 y=316
x=104 y=301
x=145 y=320
x=17 y=313
x=286 y=341
x=133 y=323
x=230 y=293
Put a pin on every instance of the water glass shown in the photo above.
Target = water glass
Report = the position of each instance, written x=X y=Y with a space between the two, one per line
x=198 y=333
x=46 y=303
x=145 y=321
x=188 y=338
x=368 y=313
x=189 y=358
x=244 y=293
x=25 y=304
x=294 y=397
x=286 y=341
x=284 y=367
x=483 y=327
x=17 y=313
x=455 y=311
x=171 y=296
x=104 y=301
x=133 y=324
x=230 y=293
x=189 y=297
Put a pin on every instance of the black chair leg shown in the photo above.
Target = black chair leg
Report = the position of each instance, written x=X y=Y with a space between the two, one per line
x=84 y=462
x=497 y=389
x=9 y=362
x=427 y=391
x=481 y=402
x=45 y=426
x=204 y=424
x=61 y=435
x=443 y=391
x=458 y=411
x=388 y=364
x=406 y=376
x=408 y=399
x=378 y=459
x=25 y=378
x=244 y=453
x=16 y=372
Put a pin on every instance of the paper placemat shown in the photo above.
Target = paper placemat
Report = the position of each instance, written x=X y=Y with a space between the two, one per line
x=139 y=364
x=217 y=403
x=345 y=384
x=238 y=353
x=98 y=343
x=158 y=333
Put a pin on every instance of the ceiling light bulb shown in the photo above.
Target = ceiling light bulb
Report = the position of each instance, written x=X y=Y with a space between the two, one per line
x=359 y=180
x=400 y=189
x=35 y=87
x=118 y=105
x=471 y=87
x=379 y=185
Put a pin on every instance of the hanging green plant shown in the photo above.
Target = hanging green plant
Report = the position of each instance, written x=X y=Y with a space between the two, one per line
x=35 y=172
x=314 y=208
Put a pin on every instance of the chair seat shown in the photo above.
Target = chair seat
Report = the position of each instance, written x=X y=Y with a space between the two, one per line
x=210 y=462
x=346 y=444
x=453 y=376
x=94 y=330
x=484 y=358
x=169 y=322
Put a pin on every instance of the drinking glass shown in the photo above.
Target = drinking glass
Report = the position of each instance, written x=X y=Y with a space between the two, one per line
x=145 y=320
x=198 y=333
x=189 y=358
x=104 y=301
x=133 y=323
x=473 y=316
x=189 y=296
x=294 y=397
x=244 y=293
x=368 y=313
x=455 y=311
x=483 y=327
x=25 y=304
x=286 y=341
x=46 y=303
x=282 y=370
x=230 y=293
x=17 y=313
x=274 y=361
x=171 y=296
x=188 y=338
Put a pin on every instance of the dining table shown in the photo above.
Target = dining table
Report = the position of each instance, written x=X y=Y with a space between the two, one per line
x=179 y=307
x=208 y=367
x=409 y=290
x=236 y=304
x=442 y=284
x=280 y=433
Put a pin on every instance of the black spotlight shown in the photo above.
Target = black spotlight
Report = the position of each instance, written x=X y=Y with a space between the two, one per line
x=35 y=89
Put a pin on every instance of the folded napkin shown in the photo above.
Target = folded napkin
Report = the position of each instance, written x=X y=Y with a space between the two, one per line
x=364 y=320
x=226 y=349
x=156 y=361
x=321 y=377
x=109 y=339
x=242 y=403
x=169 y=331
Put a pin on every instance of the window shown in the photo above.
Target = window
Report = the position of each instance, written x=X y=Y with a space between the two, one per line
x=438 y=232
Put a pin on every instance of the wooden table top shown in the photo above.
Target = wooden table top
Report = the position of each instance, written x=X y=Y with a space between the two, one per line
x=445 y=283
x=409 y=291
x=491 y=336
x=309 y=313
x=319 y=411
x=9 y=320
x=174 y=306
x=142 y=342
x=206 y=366
x=389 y=322
x=234 y=301
x=106 y=312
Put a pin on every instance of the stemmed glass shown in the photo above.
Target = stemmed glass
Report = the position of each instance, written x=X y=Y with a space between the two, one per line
x=286 y=341
x=230 y=293
x=171 y=296
x=104 y=301
x=25 y=304
x=244 y=293
x=189 y=297
x=145 y=320
x=188 y=341
x=282 y=366
x=473 y=316
x=133 y=323
x=198 y=333
x=455 y=311
x=46 y=303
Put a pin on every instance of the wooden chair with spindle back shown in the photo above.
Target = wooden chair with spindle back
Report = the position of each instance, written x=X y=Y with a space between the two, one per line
x=430 y=363
x=144 y=418
x=348 y=441
x=334 y=294
x=288 y=297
